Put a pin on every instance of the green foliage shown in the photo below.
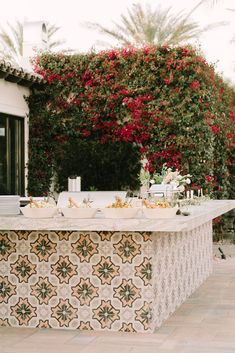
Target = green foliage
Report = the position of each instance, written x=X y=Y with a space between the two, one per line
x=110 y=166
x=166 y=102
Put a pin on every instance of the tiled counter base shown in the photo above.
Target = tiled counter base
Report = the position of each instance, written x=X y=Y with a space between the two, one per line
x=119 y=281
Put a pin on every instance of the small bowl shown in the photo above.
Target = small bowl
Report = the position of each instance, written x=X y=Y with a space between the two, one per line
x=39 y=212
x=79 y=212
x=155 y=213
x=120 y=212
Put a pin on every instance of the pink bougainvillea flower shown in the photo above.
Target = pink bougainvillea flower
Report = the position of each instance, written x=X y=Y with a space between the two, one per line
x=195 y=85
x=209 y=178
x=230 y=136
x=215 y=129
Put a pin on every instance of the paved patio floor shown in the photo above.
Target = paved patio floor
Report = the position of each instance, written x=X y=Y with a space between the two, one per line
x=205 y=323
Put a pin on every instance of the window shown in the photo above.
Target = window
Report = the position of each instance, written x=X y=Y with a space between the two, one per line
x=12 y=155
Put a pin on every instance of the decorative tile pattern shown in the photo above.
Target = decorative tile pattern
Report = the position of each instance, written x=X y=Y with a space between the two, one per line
x=85 y=326
x=181 y=262
x=4 y=322
x=105 y=235
x=85 y=291
x=43 y=324
x=22 y=234
x=64 y=269
x=23 y=268
x=120 y=281
x=43 y=247
x=23 y=311
x=84 y=248
x=127 y=328
x=144 y=271
x=106 y=314
x=105 y=270
x=6 y=246
x=127 y=292
x=43 y=290
x=127 y=248
x=7 y=289
x=64 y=312
x=64 y=234
x=144 y=315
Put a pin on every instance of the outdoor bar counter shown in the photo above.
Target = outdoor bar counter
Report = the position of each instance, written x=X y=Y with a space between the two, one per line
x=103 y=274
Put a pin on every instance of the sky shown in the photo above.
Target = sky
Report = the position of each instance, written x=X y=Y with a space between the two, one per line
x=72 y=15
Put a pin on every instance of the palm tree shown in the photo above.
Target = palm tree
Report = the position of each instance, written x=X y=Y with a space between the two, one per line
x=214 y=2
x=146 y=26
x=11 y=41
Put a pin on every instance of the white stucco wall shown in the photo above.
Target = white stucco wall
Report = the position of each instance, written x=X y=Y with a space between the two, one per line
x=12 y=102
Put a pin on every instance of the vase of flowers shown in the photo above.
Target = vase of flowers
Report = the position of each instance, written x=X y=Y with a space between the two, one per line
x=170 y=177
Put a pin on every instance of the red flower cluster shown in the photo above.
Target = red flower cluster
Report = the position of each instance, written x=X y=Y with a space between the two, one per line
x=168 y=101
x=215 y=129
x=195 y=85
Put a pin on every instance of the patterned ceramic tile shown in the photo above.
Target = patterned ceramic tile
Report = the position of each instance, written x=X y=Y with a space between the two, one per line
x=106 y=314
x=43 y=247
x=43 y=324
x=64 y=269
x=105 y=235
x=6 y=246
x=127 y=292
x=4 y=322
x=119 y=281
x=7 y=289
x=43 y=290
x=85 y=326
x=23 y=311
x=127 y=328
x=85 y=248
x=64 y=312
x=64 y=235
x=106 y=270
x=85 y=291
x=23 y=268
x=144 y=271
x=22 y=234
x=127 y=248
x=144 y=315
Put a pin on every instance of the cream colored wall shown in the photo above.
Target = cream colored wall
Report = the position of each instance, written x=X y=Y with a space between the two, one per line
x=12 y=102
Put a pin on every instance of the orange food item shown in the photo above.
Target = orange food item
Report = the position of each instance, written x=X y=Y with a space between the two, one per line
x=158 y=204
x=119 y=203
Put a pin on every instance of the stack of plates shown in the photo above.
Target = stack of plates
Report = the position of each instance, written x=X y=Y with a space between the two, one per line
x=9 y=205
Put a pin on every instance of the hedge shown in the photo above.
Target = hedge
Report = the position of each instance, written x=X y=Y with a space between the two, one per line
x=161 y=103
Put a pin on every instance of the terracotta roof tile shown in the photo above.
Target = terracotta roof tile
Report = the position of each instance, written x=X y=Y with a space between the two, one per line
x=18 y=75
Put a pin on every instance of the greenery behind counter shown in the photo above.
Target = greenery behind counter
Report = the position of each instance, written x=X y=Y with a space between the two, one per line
x=98 y=114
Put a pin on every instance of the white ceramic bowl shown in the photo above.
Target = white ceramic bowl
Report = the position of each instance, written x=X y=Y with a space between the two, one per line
x=160 y=212
x=39 y=212
x=120 y=212
x=79 y=212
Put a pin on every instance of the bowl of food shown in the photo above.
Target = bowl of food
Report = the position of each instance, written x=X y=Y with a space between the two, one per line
x=39 y=209
x=120 y=209
x=160 y=209
x=78 y=210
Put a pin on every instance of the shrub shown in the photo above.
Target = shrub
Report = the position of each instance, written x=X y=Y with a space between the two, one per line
x=168 y=103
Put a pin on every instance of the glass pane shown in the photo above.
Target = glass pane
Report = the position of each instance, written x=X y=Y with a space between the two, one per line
x=3 y=155
x=11 y=155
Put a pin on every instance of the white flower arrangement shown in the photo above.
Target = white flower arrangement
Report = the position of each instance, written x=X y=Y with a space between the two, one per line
x=168 y=176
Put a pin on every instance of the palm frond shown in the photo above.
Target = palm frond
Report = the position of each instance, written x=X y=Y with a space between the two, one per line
x=142 y=26
x=11 y=41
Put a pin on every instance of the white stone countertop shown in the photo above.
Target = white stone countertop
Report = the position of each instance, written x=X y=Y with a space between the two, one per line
x=199 y=215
